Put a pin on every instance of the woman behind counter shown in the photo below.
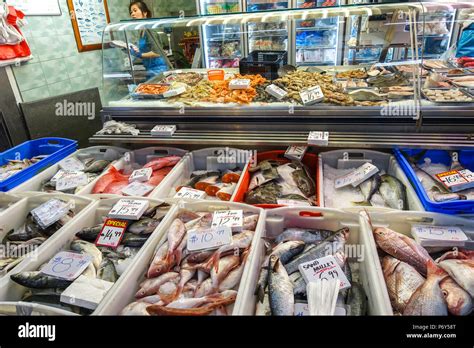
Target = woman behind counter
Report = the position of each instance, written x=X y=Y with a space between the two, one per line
x=153 y=62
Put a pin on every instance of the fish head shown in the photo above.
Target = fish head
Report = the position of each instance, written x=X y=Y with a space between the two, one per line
x=458 y=300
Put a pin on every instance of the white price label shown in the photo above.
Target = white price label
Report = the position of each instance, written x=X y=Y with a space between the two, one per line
x=163 y=129
x=358 y=176
x=293 y=202
x=137 y=189
x=318 y=138
x=324 y=268
x=443 y=233
x=276 y=91
x=141 y=175
x=229 y=218
x=211 y=239
x=112 y=233
x=50 y=212
x=127 y=157
x=239 y=84
x=312 y=95
x=67 y=265
x=70 y=181
x=457 y=180
x=174 y=92
x=129 y=209
x=296 y=152
x=190 y=193
x=72 y=164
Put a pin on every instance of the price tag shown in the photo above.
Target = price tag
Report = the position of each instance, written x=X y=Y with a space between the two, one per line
x=163 y=131
x=190 y=193
x=457 y=180
x=137 y=189
x=276 y=91
x=358 y=176
x=293 y=202
x=439 y=235
x=69 y=181
x=239 y=84
x=174 y=92
x=312 y=95
x=50 y=212
x=127 y=157
x=67 y=265
x=318 y=138
x=211 y=239
x=71 y=164
x=296 y=152
x=301 y=309
x=324 y=268
x=129 y=209
x=112 y=233
x=229 y=218
x=141 y=175
x=58 y=175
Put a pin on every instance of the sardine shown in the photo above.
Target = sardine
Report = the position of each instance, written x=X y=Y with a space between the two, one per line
x=428 y=299
x=280 y=288
x=39 y=280
x=462 y=271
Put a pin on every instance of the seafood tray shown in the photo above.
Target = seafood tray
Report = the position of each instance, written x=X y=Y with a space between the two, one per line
x=126 y=288
x=402 y=223
x=7 y=200
x=208 y=160
x=309 y=160
x=139 y=158
x=11 y=291
x=436 y=65
x=313 y=218
x=443 y=158
x=54 y=148
x=352 y=159
x=96 y=152
x=461 y=90
x=16 y=216
x=162 y=88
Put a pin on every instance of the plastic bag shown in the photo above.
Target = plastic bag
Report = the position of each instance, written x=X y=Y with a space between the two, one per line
x=8 y=33
x=14 y=18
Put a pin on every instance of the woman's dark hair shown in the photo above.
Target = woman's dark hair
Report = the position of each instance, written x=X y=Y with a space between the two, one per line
x=142 y=6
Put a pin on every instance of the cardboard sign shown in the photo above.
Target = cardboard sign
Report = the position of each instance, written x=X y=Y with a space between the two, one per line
x=67 y=265
x=211 y=239
x=324 y=268
x=228 y=218
x=112 y=233
x=357 y=177
x=129 y=209
x=190 y=193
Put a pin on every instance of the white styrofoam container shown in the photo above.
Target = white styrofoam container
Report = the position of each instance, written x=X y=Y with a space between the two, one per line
x=402 y=222
x=12 y=292
x=31 y=309
x=357 y=157
x=277 y=220
x=198 y=160
x=15 y=216
x=126 y=287
x=97 y=152
x=141 y=157
x=8 y=201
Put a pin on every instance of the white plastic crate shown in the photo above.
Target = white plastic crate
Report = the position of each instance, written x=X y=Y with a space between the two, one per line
x=354 y=158
x=204 y=159
x=126 y=287
x=402 y=222
x=277 y=220
x=12 y=292
x=97 y=152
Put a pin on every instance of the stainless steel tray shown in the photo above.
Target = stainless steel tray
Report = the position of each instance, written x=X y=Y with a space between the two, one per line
x=463 y=90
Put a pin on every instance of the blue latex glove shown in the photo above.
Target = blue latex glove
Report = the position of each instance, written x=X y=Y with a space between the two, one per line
x=135 y=52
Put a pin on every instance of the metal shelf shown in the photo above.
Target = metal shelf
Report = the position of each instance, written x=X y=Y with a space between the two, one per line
x=317 y=47
x=315 y=28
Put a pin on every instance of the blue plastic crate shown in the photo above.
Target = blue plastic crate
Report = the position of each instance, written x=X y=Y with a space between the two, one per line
x=466 y=158
x=55 y=148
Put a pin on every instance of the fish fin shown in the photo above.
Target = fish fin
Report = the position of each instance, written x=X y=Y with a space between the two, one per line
x=215 y=261
x=435 y=271
x=363 y=203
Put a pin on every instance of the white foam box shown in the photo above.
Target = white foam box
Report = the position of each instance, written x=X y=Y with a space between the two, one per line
x=96 y=152
x=140 y=158
x=123 y=293
x=277 y=220
x=402 y=222
x=204 y=159
x=354 y=158
x=89 y=216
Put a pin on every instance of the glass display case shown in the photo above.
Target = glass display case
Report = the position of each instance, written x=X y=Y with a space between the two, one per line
x=376 y=79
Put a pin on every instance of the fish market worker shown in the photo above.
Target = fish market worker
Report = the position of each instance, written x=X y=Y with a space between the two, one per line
x=153 y=62
x=466 y=40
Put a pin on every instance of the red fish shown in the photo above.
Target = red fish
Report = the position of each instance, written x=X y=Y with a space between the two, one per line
x=116 y=187
x=159 y=163
x=155 y=180
x=112 y=175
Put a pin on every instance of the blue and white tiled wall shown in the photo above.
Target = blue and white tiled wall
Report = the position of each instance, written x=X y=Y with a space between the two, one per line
x=58 y=67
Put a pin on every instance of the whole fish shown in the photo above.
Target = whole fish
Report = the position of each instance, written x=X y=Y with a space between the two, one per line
x=107 y=271
x=160 y=264
x=402 y=247
x=151 y=286
x=143 y=226
x=402 y=281
x=462 y=271
x=134 y=240
x=250 y=222
x=187 y=215
x=304 y=235
x=428 y=299
x=90 y=233
x=116 y=187
x=176 y=234
x=285 y=252
x=303 y=179
x=369 y=188
x=97 y=166
x=205 y=288
x=280 y=288
x=226 y=264
x=90 y=272
x=458 y=300
x=239 y=241
x=185 y=275
x=112 y=175
x=357 y=300
x=265 y=194
x=39 y=280
x=331 y=246
x=393 y=192
x=232 y=279
x=200 y=256
x=159 y=163
x=88 y=248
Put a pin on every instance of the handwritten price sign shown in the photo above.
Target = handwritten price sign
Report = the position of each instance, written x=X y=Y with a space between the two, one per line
x=229 y=218
x=112 y=233
x=211 y=239
x=67 y=265
x=324 y=268
x=189 y=193
x=129 y=209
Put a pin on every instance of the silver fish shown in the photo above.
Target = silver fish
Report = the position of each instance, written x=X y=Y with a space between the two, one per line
x=97 y=166
x=299 y=284
x=393 y=192
x=280 y=289
x=357 y=300
x=39 y=280
x=143 y=226
x=304 y=235
x=88 y=248
x=107 y=271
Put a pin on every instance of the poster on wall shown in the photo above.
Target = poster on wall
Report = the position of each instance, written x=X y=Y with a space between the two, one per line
x=37 y=8
x=89 y=19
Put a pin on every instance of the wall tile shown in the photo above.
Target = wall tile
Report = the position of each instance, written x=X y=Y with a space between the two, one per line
x=55 y=71
x=35 y=94
x=63 y=25
x=60 y=88
x=29 y=76
x=69 y=46
x=41 y=26
x=48 y=48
